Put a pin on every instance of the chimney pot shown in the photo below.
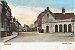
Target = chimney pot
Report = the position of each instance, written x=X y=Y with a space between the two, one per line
x=63 y=11
x=47 y=8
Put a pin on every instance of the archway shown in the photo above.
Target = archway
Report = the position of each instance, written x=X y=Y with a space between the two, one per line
x=69 y=28
x=65 y=28
x=56 y=28
x=60 y=28
x=47 y=29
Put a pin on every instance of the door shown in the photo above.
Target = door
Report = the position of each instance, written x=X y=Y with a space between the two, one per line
x=47 y=29
x=56 y=28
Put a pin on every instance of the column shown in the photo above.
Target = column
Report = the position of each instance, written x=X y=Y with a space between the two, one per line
x=58 y=28
x=74 y=28
x=62 y=28
x=67 y=27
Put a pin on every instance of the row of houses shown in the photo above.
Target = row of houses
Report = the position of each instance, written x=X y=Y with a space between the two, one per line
x=50 y=22
x=26 y=28
x=8 y=23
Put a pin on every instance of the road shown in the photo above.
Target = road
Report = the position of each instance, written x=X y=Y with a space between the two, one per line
x=42 y=37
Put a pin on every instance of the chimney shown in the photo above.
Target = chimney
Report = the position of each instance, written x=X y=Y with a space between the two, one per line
x=47 y=8
x=63 y=11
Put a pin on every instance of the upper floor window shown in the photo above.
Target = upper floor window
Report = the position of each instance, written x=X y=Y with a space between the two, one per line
x=48 y=15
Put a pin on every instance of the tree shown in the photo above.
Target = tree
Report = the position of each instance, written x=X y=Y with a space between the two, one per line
x=32 y=27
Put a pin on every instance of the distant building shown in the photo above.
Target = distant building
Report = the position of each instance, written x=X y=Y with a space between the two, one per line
x=56 y=22
x=20 y=28
x=16 y=26
x=26 y=28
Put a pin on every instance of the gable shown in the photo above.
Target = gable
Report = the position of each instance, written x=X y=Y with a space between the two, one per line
x=47 y=17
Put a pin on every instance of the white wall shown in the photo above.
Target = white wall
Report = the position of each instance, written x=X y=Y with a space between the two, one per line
x=52 y=25
x=47 y=21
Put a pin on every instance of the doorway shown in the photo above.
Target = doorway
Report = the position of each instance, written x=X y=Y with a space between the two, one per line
x=47 y=29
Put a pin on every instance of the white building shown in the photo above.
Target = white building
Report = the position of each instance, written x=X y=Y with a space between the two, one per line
x=26 y=28
x=56 y=22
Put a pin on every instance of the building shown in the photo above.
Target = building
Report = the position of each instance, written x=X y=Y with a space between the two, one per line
x=0 y=16
x=5 y=19
x=26 y=28
x=56 y=22
x=8 y=24
x=18 y=26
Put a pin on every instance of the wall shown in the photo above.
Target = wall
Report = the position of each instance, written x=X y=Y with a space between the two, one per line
x=52 y=25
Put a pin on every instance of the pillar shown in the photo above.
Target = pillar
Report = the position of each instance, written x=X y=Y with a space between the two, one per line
x=67 y=27
x=58 y=28
x=74 y=27
x=62 y=28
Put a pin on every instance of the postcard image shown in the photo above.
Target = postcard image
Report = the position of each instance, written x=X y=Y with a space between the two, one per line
x=38 y=21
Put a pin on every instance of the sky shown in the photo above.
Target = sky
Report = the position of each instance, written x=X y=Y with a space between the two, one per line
x=26 y=11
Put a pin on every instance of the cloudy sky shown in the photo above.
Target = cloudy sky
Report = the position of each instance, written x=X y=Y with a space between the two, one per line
x=26 y=11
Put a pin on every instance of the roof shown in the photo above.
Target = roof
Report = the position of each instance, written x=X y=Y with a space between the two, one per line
x=43 y=13
x=59 y=16
x=35 y=22
x=64 y=16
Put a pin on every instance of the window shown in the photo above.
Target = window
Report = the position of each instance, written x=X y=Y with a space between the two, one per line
x=48 y=15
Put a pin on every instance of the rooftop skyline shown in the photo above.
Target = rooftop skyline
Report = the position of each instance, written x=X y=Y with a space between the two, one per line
x=26 y=11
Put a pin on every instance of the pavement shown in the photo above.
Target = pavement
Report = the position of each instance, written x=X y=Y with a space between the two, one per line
x=5 y=39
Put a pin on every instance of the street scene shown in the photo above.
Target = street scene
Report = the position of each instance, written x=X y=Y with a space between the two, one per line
x=36 y=21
